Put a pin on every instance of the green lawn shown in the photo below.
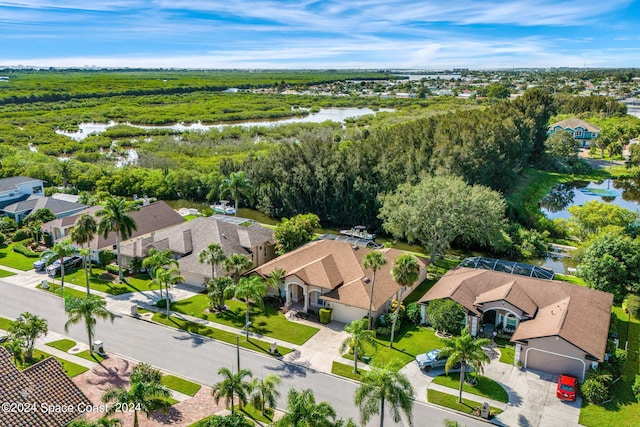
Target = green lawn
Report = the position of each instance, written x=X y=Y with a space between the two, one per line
x=190 y=217
x=14 y=259
x=70 y=368
x=102 y=282
x=486 y=387
x=180 y=385
x=270 y=322
x=410 y=341
x=5 y=273
x=507 y=350
x=451 y=401
x=220 y=335
x=345 y=371
x=570 y=279
x=68 y=292
x=87 y=355
x=624 y=409
x=254 y=413
x=5 y=323
x=62 y=345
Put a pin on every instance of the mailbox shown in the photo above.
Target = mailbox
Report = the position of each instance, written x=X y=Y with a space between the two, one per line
x=485 y=411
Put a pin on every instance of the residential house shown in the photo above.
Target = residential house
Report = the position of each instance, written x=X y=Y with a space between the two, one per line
x=60 y=208
x=329 y=273
x=186 y=240
x=17 y=189
x=43 y=385
x=582 y=131
x=556 y=326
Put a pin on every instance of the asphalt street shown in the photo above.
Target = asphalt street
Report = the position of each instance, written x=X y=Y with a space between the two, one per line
x=199 y=358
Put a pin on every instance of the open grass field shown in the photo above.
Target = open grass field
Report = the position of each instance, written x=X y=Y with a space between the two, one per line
x=270 y=322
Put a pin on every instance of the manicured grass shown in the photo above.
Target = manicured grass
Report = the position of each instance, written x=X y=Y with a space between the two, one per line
x=624 y=409
x=70 y=368
x=254 y=413
x=451 y=401
x=434 y=272
x=62 y=345
x=68 y=292
x=180 y=385
x=486 y=387
x=410 y=341
x=87 y=355
x=220 y=335
x=270 y=322
x=190 y=217
x=5 y=323
x=14 y=259
x=98 y=281
x=345 y=371
x=570 y=279
x=5 y=273
x=507 y=350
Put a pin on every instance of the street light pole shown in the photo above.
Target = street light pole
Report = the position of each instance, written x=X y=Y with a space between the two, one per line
x=238 y=352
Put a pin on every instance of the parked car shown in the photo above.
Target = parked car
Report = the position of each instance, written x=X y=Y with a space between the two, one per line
x=432 y=359
x=567 y=386
x=69 y=262
x=3 y=338
x=43 y=262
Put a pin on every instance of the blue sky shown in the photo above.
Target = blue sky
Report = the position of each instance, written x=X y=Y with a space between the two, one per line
x=427 y=34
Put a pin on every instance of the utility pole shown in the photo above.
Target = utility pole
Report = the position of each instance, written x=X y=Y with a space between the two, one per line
x=238 y=352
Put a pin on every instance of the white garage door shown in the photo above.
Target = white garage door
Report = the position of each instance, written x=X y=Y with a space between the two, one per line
x=554 y=363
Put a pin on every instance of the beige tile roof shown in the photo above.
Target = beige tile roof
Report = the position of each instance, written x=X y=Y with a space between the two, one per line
x=337 y=267
x=579 y=315
x=44 y=383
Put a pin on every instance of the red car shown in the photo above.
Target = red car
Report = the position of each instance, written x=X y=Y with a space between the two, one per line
x=567 y=386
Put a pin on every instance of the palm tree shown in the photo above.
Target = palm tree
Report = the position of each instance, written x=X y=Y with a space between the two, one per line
x=114 y=219
x=60 y=250
x=27 y=329
x=405 y=272
x=35 y=229
x=143 y=395
x=215 y=291
x=231 y=386
x=265 y=392
x=167 y=277
x=248 y=289
x=384 y=388
x=236 y=264
x=156 y=260
x=102 y=422
x=84 y=253
x=358 y=336
x=84 y=231
x=212 y=254
x=303 y=411
x=374 y=260
x=89 y=310
x=236 y=185
x=274 y=280
x=465 y=350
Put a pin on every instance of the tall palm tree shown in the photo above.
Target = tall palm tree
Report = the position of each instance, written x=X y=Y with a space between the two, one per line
x=374 y=260
x=384 y=388
x=212 y=254
x=274 y=280
x=215 y=291
x=248 y=289
x=84 y=253
x=358 y=336
x=114 y=218
x=27 y=329
x=35 y=229
x=405 y=272
x=142 y=395
x=233 y=385
x=157 y=260
x=265 y=392
x=236 y=185
x=236 y=264
x=84 y=230
x=465 y=350
x=303 y=411
x=60 y=250
x=87 y=310
x=167 y=277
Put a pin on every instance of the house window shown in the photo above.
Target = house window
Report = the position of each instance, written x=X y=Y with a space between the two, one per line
x=265 y=251
x=37 y=189
x=578 y=132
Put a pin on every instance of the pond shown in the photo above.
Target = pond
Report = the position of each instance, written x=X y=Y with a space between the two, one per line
x=624 y=193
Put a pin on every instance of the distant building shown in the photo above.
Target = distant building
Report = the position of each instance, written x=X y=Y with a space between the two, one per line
x=582 y=131
x=17 y=189
x=60 y=208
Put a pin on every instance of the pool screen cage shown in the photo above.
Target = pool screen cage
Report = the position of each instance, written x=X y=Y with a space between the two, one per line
x=511 y=267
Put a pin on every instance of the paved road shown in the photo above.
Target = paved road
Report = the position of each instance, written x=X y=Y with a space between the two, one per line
x=199 y=358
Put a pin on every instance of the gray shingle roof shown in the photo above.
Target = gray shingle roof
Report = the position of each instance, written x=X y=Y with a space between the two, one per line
x=8 y=184
x=33 y=203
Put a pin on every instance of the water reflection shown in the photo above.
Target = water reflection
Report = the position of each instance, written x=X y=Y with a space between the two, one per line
x=558 y=198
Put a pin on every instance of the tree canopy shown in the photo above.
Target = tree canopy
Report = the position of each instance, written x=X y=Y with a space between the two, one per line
x=294 y=232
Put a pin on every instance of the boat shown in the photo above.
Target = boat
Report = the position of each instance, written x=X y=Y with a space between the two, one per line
x=359 y=231
x=224 y=208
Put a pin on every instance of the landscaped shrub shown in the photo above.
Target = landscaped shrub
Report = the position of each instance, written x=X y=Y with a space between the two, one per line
x=2 y=239
x=636 y=388
x=234 y=420
x=8 y=225
x=162 y=303
x=446 y=316
x=325 y=315
x=594 y=390
x=113 y=269
x=633 y=305
x=22 y=249
x=105 y=257
x=617 y=360
x=21 y=235
x=413 y=313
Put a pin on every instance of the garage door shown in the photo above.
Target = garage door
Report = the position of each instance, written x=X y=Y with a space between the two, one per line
x=554 y=363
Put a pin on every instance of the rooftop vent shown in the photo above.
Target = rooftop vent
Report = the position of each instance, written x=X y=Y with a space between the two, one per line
x=355 y=247
x=366 y=280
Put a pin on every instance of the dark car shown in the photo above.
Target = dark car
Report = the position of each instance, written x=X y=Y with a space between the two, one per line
x=3 y=338
x=566 y=389
x=432 y=359
x=69 y=262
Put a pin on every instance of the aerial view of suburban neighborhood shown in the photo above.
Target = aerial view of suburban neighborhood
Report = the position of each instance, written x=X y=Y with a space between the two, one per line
x=319 y=213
